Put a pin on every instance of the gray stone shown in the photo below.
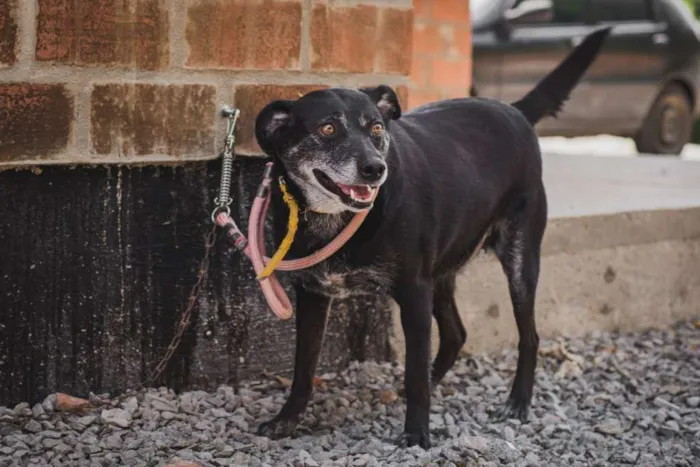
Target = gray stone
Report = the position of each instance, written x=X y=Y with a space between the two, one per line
x=38 y=411
x=610 y=427
x=131 y=405
x=116 y=417
x=33 y=426
x=693 y=401
x=476 y=443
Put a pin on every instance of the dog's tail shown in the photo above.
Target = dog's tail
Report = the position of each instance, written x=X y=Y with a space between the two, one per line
x=553 y=90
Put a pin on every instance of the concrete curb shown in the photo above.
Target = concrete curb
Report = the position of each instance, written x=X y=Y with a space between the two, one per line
x=622 y=271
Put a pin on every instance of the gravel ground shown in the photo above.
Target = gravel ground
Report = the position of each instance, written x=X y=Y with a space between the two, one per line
x=608 y=399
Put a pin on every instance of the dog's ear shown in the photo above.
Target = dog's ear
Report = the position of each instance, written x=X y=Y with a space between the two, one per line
x=272 y=120
x=386 y=100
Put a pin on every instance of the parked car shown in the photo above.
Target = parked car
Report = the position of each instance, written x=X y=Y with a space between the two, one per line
x=643 y=85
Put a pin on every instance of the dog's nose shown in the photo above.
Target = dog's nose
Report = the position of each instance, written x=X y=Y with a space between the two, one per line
x=372 y=170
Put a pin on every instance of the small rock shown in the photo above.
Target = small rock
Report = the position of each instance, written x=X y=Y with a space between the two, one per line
x=240 y=422
x=49 y=403
x=131 y=405
x=69 y=403
x=610 y=427
x=630 y=457
x=182 y=463
x=160 y=404
x=6 y=450
x=669 y=429
x=50 y=443
x=38 y=410
x=117 y=417
x=33 y=426
x=63 y=448
x=219 y=413
x=475 y=443
x=693 y=401
x=660 y=402
x=387 y=396
x=509 y=434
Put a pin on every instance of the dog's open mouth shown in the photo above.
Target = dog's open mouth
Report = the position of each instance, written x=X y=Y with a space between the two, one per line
x=357 y=196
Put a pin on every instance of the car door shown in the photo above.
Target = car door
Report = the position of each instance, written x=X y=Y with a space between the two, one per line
x=487 y=46
x=631 y=65
x=535 y=47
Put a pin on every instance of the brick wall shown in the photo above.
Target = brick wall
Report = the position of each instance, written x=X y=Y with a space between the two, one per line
x=98 y=255
x=442 y=65
x=142 y=80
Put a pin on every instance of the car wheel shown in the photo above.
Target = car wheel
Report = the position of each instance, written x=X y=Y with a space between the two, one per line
x=669 y=125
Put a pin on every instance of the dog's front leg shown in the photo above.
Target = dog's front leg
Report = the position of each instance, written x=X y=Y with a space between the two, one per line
x=311 y=317
x=416 y=301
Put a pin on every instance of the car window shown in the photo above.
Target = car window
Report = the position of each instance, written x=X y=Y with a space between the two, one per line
x=621 y=10
x=558 y=11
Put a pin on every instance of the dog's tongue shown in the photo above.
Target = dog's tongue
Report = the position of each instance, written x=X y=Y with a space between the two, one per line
x=358 y=192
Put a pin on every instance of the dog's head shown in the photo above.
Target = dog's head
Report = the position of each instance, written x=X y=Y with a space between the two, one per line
x=332 y=143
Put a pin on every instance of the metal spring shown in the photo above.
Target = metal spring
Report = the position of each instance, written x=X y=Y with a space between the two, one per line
x=224 y=198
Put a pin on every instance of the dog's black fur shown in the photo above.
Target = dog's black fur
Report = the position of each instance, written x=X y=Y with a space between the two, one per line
x=463 y=175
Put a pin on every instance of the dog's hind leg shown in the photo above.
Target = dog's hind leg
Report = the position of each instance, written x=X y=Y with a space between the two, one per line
x=517 y=246
x=311 y=317
x=452 y=332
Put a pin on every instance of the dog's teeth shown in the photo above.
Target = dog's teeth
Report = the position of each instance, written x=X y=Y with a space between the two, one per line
x=352 y=194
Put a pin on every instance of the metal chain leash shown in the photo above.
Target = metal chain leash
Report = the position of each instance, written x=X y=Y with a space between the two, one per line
x=223 y=202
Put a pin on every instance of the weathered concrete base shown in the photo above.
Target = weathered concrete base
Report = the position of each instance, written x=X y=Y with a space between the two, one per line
x=96 y=263
x=620 y=271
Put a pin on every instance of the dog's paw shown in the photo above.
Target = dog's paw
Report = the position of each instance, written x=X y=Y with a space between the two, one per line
x=519 y=409
x=421 y=439
x=277 y=428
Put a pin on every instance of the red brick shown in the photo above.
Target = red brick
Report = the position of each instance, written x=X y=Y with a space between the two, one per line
x=454 y=93
x=251 y=99
x=344 y=38
x=427 y=39
x=402 y=94
x=420 y=71
x=147 y=119
x=451 y=11
x=450 y=73
x=418 y=97
x=123 y=33
x=422 y=8
x=35 y=120
x=395 y=48
x=8 y=32
x=462 y=42
x=244 y=34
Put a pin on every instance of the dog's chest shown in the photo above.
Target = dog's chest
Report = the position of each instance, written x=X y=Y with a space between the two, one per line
x=337 y=279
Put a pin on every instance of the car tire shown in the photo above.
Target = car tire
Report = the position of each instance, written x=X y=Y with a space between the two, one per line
x=669 y=124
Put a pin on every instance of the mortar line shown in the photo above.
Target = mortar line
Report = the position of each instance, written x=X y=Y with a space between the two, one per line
x=82 y=119
x=39 y=72
x=305 y=45
x=27 y=31
x=177 y=23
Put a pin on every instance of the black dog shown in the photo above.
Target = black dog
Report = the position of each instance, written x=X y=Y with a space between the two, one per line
x=456 y=176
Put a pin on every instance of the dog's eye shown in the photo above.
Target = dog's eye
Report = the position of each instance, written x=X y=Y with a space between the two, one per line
x=327 y=130
x=377 y=129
